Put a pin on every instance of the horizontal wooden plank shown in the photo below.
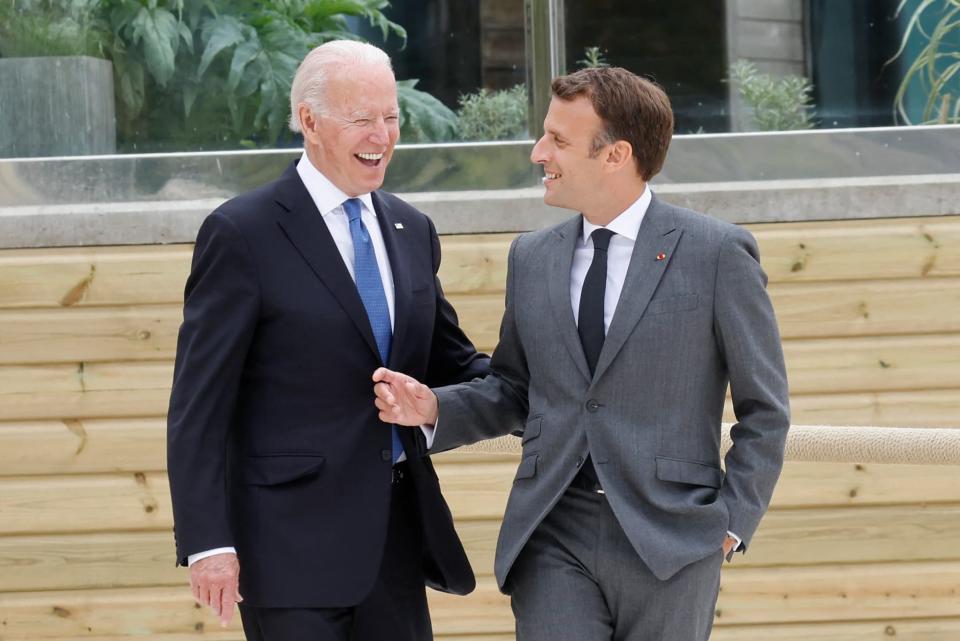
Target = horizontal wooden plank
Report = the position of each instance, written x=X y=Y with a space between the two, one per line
x=881 y=534
x=67 y=277
x=88 y=503
x=88 y=561
x=147 y=332
x=791 y=252
x=748 y=596
x=113 y=502
x=869 y=364
x=849 y=365
x=861 y=249
x=881 y=630
x=924 y=408
x=804 y=310
x=30 y=392
x=82 y=445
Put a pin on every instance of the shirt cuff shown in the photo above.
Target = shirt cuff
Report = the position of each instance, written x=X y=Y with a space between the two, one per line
x=737 y=539
x=193 y=558
x=429 y=431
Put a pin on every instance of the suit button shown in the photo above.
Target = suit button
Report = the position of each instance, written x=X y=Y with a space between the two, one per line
x=592 y=405
x=386 y=455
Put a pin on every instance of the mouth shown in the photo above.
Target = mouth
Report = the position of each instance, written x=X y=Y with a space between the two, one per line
x=370 y=160
x=549 y=177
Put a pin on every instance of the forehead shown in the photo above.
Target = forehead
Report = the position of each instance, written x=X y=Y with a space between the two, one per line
x=572 y=118
x=362 y=87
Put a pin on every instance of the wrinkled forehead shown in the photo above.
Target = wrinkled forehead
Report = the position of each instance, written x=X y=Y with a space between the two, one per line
x=360 y=87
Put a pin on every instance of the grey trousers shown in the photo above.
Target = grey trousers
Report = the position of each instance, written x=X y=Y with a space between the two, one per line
x=578 y=578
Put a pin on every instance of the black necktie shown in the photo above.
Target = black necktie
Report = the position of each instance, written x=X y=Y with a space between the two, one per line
x=590 y=319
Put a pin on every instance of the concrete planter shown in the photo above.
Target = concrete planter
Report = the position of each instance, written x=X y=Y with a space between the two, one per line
x=56 y=106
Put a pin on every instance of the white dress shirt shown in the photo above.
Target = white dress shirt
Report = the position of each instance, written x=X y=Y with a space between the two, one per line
x=625 y=226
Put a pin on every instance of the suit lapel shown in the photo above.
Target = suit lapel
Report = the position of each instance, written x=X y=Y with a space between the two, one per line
x=398 y=253
x=558 y=277
x=304 y=228
x=658 y=236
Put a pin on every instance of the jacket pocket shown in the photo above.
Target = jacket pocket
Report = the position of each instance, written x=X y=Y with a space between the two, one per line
x=666 y=305
x=689 y=472
x=277 y=469
x=527 y=468
x=532 y=428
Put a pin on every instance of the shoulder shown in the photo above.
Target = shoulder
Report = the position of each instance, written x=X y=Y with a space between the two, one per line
x=699 y=228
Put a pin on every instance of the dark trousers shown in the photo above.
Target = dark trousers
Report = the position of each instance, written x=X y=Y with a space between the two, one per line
x=396 y=608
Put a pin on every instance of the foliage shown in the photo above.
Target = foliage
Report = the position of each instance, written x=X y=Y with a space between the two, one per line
x=778 y=104
x=592 y=59
x=52 y=28
x=496 y=115
x=935 y=69
x=198 y=73
x=423 y=118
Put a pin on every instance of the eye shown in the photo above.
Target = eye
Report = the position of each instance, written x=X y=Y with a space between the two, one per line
x=392 y=118
x=362 y=122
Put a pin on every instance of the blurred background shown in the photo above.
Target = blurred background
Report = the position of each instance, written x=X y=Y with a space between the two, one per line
x=829 y=128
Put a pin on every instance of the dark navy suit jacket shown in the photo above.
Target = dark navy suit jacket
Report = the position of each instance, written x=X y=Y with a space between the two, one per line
x=274 y=443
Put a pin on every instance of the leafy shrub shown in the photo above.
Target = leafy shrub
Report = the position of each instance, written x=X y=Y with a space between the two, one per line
x=777 y=104
x=494 y=115
x=934 y=70
x=194 y=74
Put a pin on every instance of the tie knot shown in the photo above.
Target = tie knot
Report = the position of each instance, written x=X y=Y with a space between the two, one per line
x=601 y=238
x=352 y=207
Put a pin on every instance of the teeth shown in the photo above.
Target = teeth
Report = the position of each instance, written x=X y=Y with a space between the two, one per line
x=552 y=176
x=370 y=156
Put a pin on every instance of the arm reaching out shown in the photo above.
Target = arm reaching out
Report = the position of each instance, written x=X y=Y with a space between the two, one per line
x=402 y=400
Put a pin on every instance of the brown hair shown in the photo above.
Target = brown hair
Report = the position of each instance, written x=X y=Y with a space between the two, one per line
x=632 y=108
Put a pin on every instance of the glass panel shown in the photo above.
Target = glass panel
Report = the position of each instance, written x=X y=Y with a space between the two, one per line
x=125 y=76
x=774 y=65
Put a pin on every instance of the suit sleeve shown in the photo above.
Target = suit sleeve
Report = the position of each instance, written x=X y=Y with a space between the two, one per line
x=453 y=358
x=221 y=307
x=496 y=405
x=747 y=332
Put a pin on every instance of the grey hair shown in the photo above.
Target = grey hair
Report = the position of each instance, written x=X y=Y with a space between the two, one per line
x=310 y=81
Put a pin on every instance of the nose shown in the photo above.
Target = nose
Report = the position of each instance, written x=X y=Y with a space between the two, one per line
x=538 y=155
x=379 y=134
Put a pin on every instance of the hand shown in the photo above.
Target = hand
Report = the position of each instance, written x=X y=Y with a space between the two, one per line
x=402 y=400
x=215 y=581
x=728 y=544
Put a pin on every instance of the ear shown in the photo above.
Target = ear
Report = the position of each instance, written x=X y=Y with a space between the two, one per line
x=308 y=123
x=618 y=155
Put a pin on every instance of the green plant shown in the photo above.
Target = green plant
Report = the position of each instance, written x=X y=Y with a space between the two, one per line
x=51 y=28
x=494 y=115
x=777 y=104
x=194 y=74
x=423 y=118
x=592 y=59
x=934 y=69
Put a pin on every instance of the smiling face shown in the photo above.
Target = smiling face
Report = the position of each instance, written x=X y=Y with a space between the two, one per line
x=352 y=142
x=573 y=172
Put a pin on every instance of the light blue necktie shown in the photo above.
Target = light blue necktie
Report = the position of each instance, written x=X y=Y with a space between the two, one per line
x=370 y=288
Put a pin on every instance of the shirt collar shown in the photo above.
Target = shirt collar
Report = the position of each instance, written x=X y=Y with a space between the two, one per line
x=627 y=223
x=327 y=196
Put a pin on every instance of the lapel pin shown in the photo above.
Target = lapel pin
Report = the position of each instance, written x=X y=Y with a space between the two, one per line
x=398 y=225
x=661 y=256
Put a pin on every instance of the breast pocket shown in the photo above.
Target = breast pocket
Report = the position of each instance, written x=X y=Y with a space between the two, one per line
x=673 y=304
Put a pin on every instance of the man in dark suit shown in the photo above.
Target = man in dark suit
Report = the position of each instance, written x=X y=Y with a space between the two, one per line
x=286 y=487
x=623 y=327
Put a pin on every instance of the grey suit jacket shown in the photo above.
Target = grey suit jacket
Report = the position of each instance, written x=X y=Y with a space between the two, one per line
x=693 y=315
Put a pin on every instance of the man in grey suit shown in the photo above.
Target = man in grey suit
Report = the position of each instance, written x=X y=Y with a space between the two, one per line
x=623 y=327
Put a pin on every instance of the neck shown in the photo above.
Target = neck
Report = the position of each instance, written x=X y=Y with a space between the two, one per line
x=616 y=201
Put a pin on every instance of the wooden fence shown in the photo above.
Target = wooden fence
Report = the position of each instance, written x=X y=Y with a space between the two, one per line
x=870 y=315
